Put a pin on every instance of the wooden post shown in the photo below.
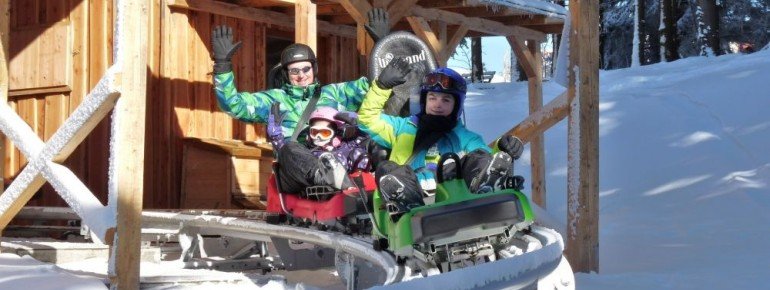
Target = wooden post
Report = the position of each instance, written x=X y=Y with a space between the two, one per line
x=5 y=29
x=531 y=60
x=305 y=23
x=582 y=247
x=129 y=133
x=537 y=146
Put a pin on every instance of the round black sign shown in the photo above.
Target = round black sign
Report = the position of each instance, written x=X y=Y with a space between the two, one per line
x=406 y=97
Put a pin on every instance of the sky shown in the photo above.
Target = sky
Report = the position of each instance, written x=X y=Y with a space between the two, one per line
x=684 y=172
x=494 y=49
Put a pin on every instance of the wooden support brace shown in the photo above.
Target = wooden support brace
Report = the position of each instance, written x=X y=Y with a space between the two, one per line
x=538 y=122
x=399 y=9
x=455 y=39
x=60 y=145
x=523 y=55
x=477 y=24
x=305 y=23
x=357 y=9
x=423 y=30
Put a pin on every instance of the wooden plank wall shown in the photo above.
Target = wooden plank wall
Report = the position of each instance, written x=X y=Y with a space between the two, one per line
x=182 y=100
x=180 y=103
x=45 y=112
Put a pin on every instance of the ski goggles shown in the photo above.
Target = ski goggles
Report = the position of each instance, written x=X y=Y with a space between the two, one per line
x=295 y=71
x=323 y=133
x=446 y=82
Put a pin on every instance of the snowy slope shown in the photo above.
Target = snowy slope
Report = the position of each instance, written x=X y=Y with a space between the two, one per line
x=684 y=170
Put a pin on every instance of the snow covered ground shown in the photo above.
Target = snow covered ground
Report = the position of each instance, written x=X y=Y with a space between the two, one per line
x=684 y=173
x=684 y=170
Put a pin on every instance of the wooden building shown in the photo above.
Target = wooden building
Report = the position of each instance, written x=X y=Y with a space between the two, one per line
x=60 y=48
x=56 y=51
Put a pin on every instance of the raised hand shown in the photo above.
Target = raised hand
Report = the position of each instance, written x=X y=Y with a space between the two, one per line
x=378 y=24
x=394 y=73
x=223 y=48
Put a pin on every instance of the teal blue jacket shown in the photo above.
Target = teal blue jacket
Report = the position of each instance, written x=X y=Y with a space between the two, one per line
x=398 y=134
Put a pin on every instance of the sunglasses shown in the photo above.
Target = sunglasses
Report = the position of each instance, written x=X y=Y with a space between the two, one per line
x=319 y=132
x=295 y=71
x=433 y=79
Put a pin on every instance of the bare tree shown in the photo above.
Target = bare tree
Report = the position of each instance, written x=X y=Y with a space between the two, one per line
x=463 y=54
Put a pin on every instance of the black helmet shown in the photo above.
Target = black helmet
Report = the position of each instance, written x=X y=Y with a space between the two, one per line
x=297 y=52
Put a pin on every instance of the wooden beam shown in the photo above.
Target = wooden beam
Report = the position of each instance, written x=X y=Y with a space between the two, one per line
x=453 y=42
x=331 y=9
x=129 y=131
x=258 y=15
x=582 y=245
x=448 y=3
x=381 y=3
x=484 y=11
x=341 y=20
x=547 y=28
x=5 y=29
x=537 y=146
x=478 y=24
x=357 y=9
x=423 y=30
x=538 y=122
x=523 y=55
x=266 y=3
x=399 y=9
x=526 y=20
x=305 y=24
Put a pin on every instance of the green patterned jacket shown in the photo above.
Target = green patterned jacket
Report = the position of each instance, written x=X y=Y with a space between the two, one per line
x=255 y=107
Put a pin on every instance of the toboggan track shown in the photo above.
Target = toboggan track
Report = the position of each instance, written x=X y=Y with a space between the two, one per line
x=520 y=271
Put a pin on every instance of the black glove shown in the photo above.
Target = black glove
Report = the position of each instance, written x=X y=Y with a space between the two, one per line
x=394 y=73
x=511 y=145
x=379 y=24
x=347 y=117
x=349 y=128
x=377 y=153
x=223 y=47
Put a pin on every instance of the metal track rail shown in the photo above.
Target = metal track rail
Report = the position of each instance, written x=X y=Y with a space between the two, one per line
x=522 y=271
x=258 y=230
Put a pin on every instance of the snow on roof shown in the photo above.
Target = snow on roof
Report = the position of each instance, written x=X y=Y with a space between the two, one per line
x=533 y=6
